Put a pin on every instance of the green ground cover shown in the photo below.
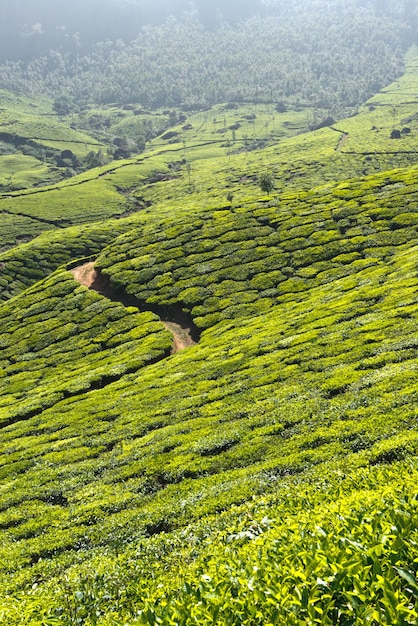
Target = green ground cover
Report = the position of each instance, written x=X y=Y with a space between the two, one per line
x=16 y=229
x=394 y=108
x=273 y=555
x=204 y=172
x=228 y=263
x=35 y=119
x=32 y=125
x=26 y=264
x=67 y=204
x=72 y=340
x=21 y=170
x=58 y=208
x=266 y=475
x=322 y=376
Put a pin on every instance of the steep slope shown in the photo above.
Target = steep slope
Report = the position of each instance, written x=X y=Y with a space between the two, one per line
x=321 y=375
x=252 y=466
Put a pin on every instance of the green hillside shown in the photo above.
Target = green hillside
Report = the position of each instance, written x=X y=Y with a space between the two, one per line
x=33 y=138
x=265 y=471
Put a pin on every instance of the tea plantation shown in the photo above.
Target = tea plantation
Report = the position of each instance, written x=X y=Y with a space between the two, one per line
x=266 y=474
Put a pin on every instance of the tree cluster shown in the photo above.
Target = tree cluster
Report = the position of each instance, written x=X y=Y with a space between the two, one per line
x=331 y=55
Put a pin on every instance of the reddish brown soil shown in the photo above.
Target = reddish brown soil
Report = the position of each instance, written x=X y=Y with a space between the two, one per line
x=85 y=274
x=182 y=338
x=88 y=276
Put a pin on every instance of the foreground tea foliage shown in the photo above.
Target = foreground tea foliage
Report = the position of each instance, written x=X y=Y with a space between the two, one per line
x=324 y=374
x=330 y=549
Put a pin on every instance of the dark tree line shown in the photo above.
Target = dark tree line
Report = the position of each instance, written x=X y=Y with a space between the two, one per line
x=29 y=29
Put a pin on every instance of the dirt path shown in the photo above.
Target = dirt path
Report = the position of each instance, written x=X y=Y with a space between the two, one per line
x=182 y=338
x=88 y=276
x=342 y=141
x=85 y=274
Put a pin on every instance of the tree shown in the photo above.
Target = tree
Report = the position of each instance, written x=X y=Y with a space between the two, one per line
x=63 y=105
x=266 y=182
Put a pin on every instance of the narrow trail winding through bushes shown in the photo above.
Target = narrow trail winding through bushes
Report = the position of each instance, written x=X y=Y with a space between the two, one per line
x=184 y=334
x=342 y=142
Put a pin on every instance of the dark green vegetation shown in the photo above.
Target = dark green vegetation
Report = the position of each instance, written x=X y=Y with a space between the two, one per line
x=78 y=25
x=330 y=54
x=266 y=475
x=315 y=60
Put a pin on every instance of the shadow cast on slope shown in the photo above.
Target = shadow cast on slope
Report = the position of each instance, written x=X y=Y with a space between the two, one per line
x=178 y=322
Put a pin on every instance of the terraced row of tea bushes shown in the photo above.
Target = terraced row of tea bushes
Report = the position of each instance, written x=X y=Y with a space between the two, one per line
x=34 y=118
x=323 y=156
x=70 y=204
x=182 y=262
x=24 y=265
x=310 y=159
x=324 y=376
x=32 y=139
x=59 y=340
x=225 y=264
x=19 y=171
x=329 y=378
x=110 y=191
x=16 y=229
x=321 y=549
x=328 y=552
x=300 y=162
x=304 y=161
x=394 y=107
x=52 y=133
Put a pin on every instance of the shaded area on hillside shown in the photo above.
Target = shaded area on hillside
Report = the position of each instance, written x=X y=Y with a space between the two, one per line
x=185 y=332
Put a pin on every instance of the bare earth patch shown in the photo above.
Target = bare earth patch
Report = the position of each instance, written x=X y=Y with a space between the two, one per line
x=85 y=274
x=88 y=276
x=342 y=142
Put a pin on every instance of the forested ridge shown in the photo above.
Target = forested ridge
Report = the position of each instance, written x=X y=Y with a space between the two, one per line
x=327 y=54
